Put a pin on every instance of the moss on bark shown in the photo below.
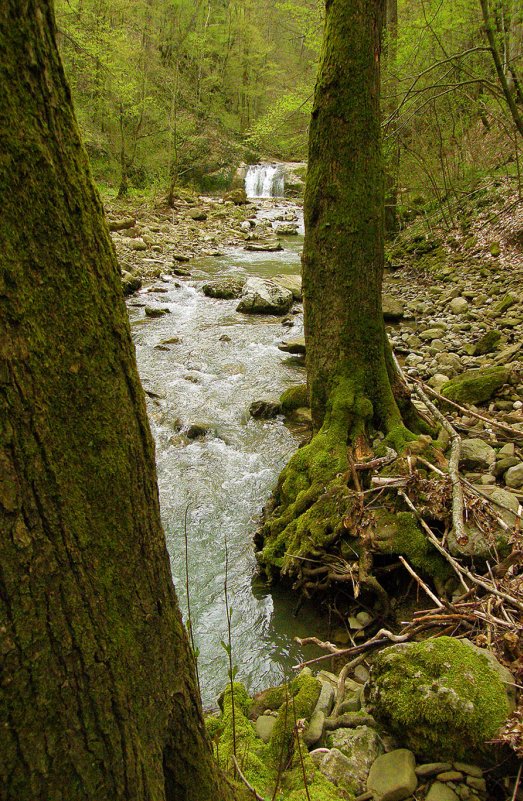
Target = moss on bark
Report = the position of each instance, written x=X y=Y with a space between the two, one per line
x=99 y=698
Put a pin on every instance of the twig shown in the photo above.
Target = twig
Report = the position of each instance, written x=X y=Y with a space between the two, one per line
x=421 y=583
x=246 y=781
x=455 y=454
x=327 y=646
x=516 y=785
x=491 y=421
x=459 y=569
x=382 y=638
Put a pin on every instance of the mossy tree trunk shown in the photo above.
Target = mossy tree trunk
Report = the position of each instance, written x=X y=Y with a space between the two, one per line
x=98 y=697
x=353 y=386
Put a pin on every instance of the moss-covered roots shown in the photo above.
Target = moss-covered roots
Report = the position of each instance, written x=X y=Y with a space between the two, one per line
x=313 y=497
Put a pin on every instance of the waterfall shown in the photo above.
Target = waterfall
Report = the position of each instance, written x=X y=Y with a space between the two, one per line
x=264 y=180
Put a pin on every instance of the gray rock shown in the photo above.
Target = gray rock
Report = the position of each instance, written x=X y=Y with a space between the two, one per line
x=264 y=726
x=261 y=296
x=393 y=309
x=514 y=476
x=265 y=410
x=198 y=430
x=430 y=333
x=198 y=214
x=470 y=770
x=130 y=283
x=314 y=731
x=156 y=311
x=441 y=792
x=362 y=746
x=336 y=767
x=431 y=769
x=291 y=282
x=226 y=287
x=269 y=246
x=392 y=776
x=477 y=784
x=326 y=700
x=477 y=455
x=459 y=305
x=295 y=346
x=287 y=229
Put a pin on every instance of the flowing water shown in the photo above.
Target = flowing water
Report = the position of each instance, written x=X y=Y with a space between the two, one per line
x=217 y=485
x=265 y=180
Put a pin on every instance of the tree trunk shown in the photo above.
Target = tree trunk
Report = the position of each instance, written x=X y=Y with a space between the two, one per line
x=351 y=377
x=99 y=699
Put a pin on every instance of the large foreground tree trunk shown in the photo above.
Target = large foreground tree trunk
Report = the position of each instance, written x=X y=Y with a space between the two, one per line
x=353 y=385
x=98 y=696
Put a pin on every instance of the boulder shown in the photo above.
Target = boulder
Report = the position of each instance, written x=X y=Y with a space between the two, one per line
x=237 y=196
x=287 y=229
x=336 y=767
x=459 y=305
x=137 y=244
x=198 y=214
x=265 y=726
x=156 y=311
x=487 y=343
x=264 y=410
x=294 y=346
x=270 y=245
x=362 y=746
x=261 y=296
x=225 y=288
x=476 y=386
x=514 y=476
x=292 y=282
x=392 y=776
x=130 y=283
x=444 y=698
x=477 y=455
x=393 y=308
x=441 y=792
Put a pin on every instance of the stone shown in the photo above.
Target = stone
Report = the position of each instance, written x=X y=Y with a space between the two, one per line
x=181 y=272
x=476 y=386
x=287 y=229
x=441 y=792
x=514 y=476
x=362 y=746
x=261 y=296
x=477 y=455
x=264 y=726
x=181 y=257
x=292 y=282
x=198 y=214
x=137 y=244
x=477 y=784
x=335 y=766
x=270 y=245
x=295 y=346
x=198 y=430
x=224 y=288
x=430 y=333
x=450 y=776
x=265 y=410
x=459 y=305
x=487 y=343
x=393 y=309
x=237 y=196
x=442 y=698
x=130 y=283
x=470 y=770
x=156 y=311
x=314 y=731
x=326 y=700
x=431 y=769
x=392 y=776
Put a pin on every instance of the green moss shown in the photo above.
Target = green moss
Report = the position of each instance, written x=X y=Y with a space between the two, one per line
x=303 y=695
x=410 y=542
x=487 y=343
x=441 y=697
x=476 y=386
x=250 y=750
x=214 y=726
x=294 y=398
x=318 y=786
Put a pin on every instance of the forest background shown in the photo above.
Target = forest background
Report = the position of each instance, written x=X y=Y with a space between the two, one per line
x=183 y=91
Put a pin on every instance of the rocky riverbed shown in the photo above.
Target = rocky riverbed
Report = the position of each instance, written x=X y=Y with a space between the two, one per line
x=454 y=306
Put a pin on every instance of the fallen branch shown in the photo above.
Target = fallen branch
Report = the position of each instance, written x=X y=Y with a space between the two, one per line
x=383 y=637
x=421 y=582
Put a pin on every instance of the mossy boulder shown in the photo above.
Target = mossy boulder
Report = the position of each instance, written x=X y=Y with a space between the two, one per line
x=444 y=698
x=294 y=398
x=476 y=386
x=224 y=288
x=487 y=343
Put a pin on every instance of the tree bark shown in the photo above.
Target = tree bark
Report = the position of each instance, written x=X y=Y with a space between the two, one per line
x=353 y=384
x=98 y=695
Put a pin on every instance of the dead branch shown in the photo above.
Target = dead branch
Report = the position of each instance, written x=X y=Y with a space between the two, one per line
x=421 y=583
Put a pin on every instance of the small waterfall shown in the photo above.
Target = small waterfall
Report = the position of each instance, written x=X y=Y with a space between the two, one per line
x=265 y=180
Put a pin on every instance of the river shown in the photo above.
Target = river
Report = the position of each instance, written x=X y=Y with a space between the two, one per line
x=218 y=484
